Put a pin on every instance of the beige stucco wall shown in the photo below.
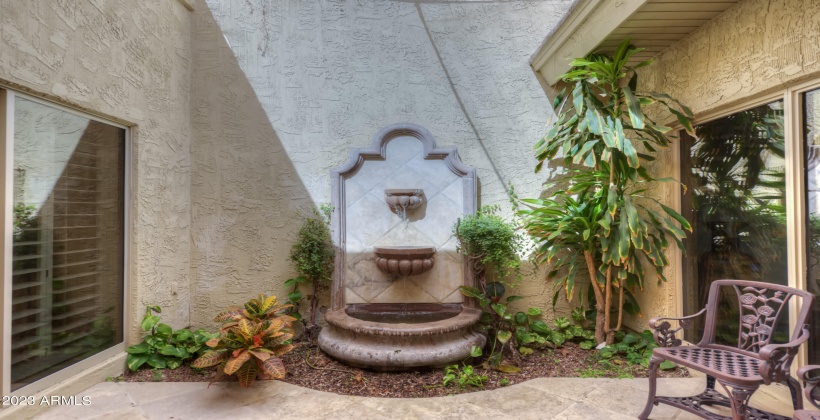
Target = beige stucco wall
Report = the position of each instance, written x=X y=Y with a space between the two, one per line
x=756 y=47
x=129 y=61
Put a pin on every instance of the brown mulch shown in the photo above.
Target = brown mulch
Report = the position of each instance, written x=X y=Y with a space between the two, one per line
x=326 y=374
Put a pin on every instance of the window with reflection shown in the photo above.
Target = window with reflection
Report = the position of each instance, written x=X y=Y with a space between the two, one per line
x=68 y=233
x=811 y=155
x=734 y=171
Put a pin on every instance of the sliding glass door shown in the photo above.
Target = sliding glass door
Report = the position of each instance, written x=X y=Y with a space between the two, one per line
x=67 y=243
x=734 y=169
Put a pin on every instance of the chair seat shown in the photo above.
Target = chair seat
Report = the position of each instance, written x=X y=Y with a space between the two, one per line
x=728 y=366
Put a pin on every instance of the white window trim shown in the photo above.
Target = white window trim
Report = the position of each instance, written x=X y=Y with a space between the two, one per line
x=6 y=192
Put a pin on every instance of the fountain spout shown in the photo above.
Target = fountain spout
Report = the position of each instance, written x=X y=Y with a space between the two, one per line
x=401 y=200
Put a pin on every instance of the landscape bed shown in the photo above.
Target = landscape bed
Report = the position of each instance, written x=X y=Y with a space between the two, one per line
x=326 y=374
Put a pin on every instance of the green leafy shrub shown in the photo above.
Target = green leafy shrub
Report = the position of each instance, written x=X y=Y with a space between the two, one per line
x=490 y=244
x=250 y=341
x=635 y=348
x=313 y=256
x=463 y=376
x=164 y=347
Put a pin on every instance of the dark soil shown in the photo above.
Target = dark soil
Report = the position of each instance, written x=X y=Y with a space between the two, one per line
x=325 y=374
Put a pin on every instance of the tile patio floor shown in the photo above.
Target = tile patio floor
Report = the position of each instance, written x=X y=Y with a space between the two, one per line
x=544 y=398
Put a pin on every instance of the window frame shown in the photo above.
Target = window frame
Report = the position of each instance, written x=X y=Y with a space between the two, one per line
x=795 y=200
x=7 y=97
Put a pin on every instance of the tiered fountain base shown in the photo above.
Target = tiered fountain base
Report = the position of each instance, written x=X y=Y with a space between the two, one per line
x=401 y=336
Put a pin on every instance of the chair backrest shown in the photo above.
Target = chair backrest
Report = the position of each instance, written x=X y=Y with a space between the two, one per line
x=761 y=307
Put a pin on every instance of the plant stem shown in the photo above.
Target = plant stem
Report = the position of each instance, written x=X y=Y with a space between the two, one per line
x=599 y=298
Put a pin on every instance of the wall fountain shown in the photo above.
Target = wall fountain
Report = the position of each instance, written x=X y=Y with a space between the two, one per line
x=395 y=298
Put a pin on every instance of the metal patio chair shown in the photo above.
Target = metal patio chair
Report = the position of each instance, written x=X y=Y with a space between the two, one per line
x=739 y=369
x=811 y=376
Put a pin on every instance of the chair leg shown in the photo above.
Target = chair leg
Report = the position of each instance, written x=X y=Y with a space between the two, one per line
x=654 y=363
x=797 y=395
x=739 y=398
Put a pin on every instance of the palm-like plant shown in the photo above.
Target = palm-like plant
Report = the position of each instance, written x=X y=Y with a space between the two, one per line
x=603 y=218
x=251 y=341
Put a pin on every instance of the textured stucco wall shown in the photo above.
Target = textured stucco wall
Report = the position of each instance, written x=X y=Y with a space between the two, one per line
x=294 y=85
x=245 y=191
x=755 y=47
x=130 y=61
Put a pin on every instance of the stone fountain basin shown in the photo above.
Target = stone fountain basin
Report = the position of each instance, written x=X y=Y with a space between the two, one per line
x=391 y=337
x=402 y=261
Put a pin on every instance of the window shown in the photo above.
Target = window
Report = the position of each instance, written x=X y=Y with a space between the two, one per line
x=753 y=198
x=810 y=104
x=734 y=169
x=64 y=285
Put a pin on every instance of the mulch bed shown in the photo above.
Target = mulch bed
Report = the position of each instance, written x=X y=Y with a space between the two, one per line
x=326 y=374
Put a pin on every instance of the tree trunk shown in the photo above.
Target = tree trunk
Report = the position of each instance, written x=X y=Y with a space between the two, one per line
x=314 y=301
x=600 y=308
x=610 y=336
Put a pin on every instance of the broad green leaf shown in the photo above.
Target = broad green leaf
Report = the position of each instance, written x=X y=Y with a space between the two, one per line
x=534 y=311
x=540 y=327
x=503 y=336
x=635 y=114
x=156 y=361
x=508 y=368
x=666 y=365
x=138 y=348
x=470 y=292
x=476 y=351
x=149 y=322
x=677 y=216
x=134 y=361
x=164 y=330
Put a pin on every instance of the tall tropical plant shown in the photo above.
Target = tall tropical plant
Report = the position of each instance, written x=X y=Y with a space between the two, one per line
x=601 y=217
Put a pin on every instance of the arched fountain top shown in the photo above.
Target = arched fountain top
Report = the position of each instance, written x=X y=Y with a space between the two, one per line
x=379 y=145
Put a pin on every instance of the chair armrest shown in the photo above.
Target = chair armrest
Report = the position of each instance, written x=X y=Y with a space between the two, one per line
x=810 y=381
x=664 y=336
x=777 y=358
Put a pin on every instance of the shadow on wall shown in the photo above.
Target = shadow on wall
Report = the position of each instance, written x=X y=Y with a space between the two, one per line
x=246 y=196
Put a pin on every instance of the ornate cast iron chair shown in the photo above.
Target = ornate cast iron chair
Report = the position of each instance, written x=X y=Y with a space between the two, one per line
x=739 y=369
x=810 y=376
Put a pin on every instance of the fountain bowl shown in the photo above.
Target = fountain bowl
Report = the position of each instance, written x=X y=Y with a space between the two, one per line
x=404 y=336
x=403 y=261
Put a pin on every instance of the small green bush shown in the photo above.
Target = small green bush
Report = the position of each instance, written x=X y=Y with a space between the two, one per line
x=165 y=347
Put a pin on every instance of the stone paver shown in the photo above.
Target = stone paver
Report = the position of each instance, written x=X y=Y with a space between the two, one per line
x=543 y=398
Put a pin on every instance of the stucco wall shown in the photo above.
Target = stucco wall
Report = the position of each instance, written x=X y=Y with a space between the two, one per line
x=130 y=61
x=755 y=47
x=283 y=90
